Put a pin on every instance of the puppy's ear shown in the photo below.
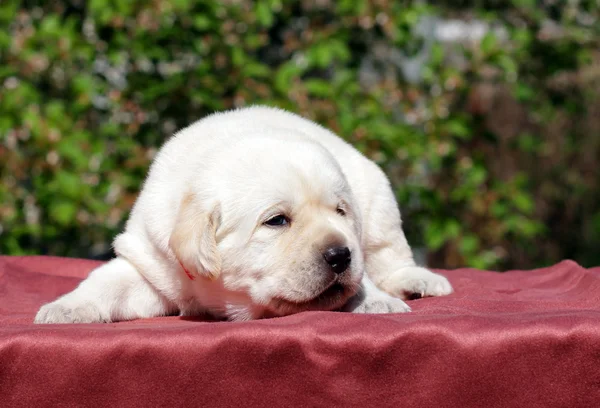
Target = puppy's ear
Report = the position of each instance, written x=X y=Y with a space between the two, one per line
x=193 y=239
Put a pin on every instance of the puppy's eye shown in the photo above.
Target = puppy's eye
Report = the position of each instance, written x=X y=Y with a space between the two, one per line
x=277 y=221
x=341 y=211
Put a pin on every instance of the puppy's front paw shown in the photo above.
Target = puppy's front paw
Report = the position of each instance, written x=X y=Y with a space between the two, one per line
x=61 y=312
x=417 y=281
x=377 y=303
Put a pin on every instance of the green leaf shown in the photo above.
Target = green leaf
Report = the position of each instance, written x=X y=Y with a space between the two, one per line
x=256 y=70
x=238 y=57
x=489 y=43
x=524 y=92
x=318 y=87
x=434 y=237
x=483 y=260
x=264 y=13
x=469 y=244
x=69 y=184
x=73 y=153
x=524 y=3
x=50 y=25
x=284 y=76
x=499 y=209
x=523 y=202
x=439 y=232
x=202 y=22
x=63 y=212
x=459 y=128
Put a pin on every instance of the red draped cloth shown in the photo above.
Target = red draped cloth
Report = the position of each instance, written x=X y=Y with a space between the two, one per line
x=517 y=339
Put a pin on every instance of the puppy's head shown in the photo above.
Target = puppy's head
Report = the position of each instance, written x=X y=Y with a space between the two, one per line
x=275 y=223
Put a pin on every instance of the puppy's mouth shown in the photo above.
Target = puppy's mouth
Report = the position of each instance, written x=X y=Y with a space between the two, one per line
x=333 y=297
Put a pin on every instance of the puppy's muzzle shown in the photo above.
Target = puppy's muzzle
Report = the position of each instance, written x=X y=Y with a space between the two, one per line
x=338 y=258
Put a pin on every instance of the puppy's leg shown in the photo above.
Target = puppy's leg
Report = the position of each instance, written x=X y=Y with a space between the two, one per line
x=393 y=269
x=370 y=299
x=389 y=259
x=112 y=292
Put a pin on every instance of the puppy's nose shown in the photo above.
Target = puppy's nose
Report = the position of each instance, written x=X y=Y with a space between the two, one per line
x=338 y=258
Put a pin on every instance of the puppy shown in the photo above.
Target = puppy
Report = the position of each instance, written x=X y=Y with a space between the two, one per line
x=254 y=213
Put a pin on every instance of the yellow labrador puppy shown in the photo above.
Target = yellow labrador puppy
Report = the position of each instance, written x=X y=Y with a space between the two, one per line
x=249 y=214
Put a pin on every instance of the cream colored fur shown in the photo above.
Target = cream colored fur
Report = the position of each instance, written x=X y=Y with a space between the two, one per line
x=197 y=239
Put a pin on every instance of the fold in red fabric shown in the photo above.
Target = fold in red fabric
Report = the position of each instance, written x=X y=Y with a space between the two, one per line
x=517 y=339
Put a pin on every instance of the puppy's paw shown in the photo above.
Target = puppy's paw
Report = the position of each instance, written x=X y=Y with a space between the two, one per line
x=415 y=282
x=61 y=312
x=376 y=304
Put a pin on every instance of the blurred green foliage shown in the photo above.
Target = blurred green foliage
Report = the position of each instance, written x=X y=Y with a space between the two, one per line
x=492 y=140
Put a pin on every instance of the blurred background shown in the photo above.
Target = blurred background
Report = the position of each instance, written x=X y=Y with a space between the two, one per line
x=485 y=115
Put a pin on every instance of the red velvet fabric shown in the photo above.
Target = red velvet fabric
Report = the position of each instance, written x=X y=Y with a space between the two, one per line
x=522 y=338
